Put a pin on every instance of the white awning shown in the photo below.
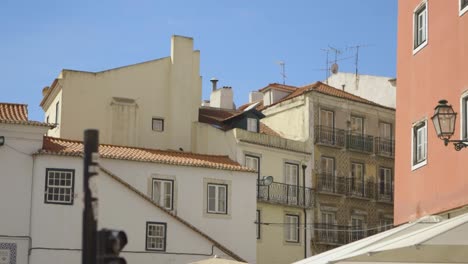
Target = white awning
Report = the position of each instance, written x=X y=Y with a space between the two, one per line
x=428 y=240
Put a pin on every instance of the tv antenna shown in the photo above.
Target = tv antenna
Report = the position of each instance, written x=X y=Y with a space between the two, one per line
x=356 y=60
x=331 y=66
x=283 y=70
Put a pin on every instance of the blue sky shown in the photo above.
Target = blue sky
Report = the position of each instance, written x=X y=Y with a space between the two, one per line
x=240 y=41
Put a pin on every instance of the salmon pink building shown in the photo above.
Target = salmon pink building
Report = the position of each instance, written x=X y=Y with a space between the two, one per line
x=432 y=64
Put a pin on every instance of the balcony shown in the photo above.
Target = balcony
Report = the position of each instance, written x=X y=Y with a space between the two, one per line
x=330 y=136
x=286 y=194
x=360 y=142
x=339 y=234
x=328 y=183
x=385 y=147
x=385 y=192
x=360 y=188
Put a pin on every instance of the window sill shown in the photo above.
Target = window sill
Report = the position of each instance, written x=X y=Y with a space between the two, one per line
x=420 y=47
x=419 y=165
x=463 y=11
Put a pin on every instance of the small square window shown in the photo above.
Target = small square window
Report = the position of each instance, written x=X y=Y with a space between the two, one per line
x=252 y=124
x=420 y=26
x=156 y=235
x=163 y=193
x=217 y=198
x=292 y=228
x=158 y=124
x=59 y=186
x=419 y=145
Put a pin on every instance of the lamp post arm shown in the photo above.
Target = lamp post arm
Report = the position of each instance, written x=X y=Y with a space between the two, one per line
x=457 y=143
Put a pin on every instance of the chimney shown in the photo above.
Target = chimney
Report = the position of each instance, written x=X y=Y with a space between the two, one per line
x=213 y=81
x=221 y=98
x=255 y=96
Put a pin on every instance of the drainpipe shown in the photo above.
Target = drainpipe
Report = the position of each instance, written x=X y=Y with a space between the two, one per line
x=305 y=210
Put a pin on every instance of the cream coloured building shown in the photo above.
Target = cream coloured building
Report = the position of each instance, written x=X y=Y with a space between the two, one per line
x=151 y=104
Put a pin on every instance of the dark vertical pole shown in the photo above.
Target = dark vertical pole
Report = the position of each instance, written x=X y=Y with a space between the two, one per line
x=305 y=210
x=91 y=142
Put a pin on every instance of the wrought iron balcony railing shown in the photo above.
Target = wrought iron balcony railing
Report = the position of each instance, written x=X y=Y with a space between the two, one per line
x=385 y=147
x=328 y=183
x=339 y=234
x=360 y=142
x=286 y=194
x=330 y=136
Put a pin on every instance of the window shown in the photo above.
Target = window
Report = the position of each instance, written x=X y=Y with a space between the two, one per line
x=292 y=180
x=327 y=118
x=327 y=179
x=463 y=6
x=420 y=26
x=357 y=178
x=464 y=117
x=329 y=232
x=253 y=162
x=385 y=130
x=357 y=125
x=292 y=228
x=252 y=124
x=257 y=221
x=158 y=124
x=59 y=186
x=385 y=224
x=163 y=193
x=357 y=228
x=156 y=236
x=385 y=181
x=419 y=144
x=57 y=112
x=217 y=198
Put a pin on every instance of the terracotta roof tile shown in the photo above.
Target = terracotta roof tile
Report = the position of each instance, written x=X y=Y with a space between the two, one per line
x=328 y=90
x=17 y=114
x=264 y=129
x=59 y=146
x=13 y=112
x=278 y=86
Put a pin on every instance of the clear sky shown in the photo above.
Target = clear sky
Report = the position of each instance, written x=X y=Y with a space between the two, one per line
x=241 y=41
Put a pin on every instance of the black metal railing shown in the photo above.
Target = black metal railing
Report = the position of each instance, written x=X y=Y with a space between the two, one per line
x=360 y=142
x=385 y=147
x=385 y=191
x=340 y=234
x=349 y=186
x=286 y=194
x=330 y=136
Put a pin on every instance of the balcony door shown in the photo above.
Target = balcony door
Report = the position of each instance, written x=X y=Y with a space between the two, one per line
x=357 y=179
x=329 y=228
x=292 y=182
x=327 y=126
x=327 y=177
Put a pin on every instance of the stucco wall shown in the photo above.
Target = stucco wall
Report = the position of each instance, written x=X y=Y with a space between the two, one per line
x=59 y=226
x=437 y=71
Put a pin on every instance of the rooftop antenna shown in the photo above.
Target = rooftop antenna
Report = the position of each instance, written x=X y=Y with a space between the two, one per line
x=356 y=62
x=331 y=66
x=283 y=70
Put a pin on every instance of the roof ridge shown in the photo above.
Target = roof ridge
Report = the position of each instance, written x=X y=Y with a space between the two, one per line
x=184 y=222
x=1 y=103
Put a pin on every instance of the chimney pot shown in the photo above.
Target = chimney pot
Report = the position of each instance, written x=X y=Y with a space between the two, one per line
x=213 y=81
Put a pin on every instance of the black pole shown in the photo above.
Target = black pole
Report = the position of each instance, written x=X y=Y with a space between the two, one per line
x=305 y=210
x=91 y=143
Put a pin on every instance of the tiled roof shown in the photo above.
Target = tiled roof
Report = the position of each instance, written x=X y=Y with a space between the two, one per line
x=66 y=147
x=328 y=90
x=258 y=107
x=17 y=114
x=13 y=112
x=278 y=86
x=177 y=218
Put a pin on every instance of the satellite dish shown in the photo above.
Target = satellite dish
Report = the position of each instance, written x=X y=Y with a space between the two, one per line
x=267 y=180
x=334 y=68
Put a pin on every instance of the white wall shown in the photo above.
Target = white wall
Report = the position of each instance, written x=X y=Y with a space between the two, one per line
x=59 y=226
x=374 y=88
x=16 y=163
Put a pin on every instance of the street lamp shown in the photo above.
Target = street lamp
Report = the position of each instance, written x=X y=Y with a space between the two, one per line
x=444 y=123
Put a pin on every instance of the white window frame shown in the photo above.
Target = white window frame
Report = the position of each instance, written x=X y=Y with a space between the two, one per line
x=251 y=160
x=385 y=224
x=354 y=120
x=464 y=116
x=325 y=115
x=292 y=228
x=157 y=238
x=422 y=7
x=418 y=129
x=462 y=10
x=59 y=187
x=385 y=130
x=387 y=180
x=329 y=233
x=292 y=181
x=358 y=227
x=220 y=189
x=161 y=196
x=252 y=124
x=159 y=127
